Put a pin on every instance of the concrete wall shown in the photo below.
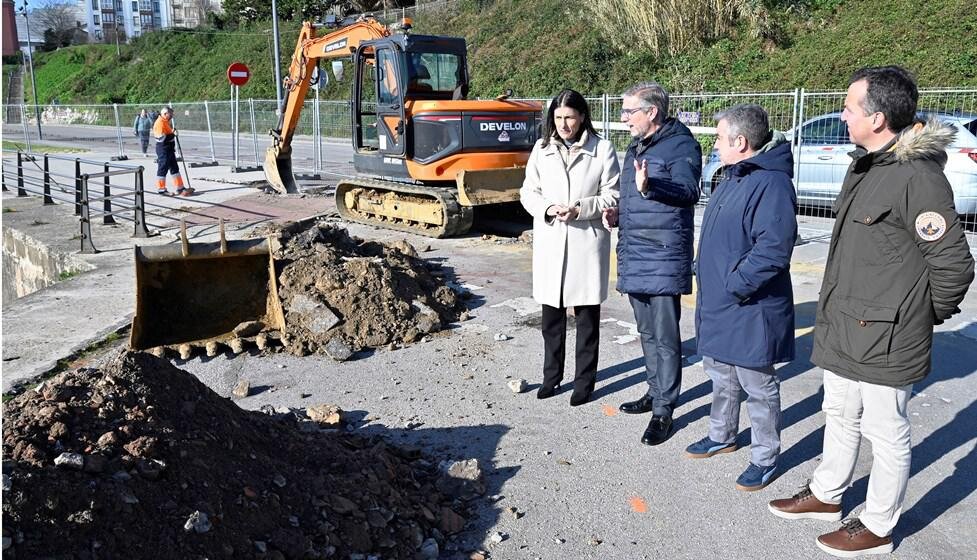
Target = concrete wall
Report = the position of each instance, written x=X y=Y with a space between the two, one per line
x=29 y=265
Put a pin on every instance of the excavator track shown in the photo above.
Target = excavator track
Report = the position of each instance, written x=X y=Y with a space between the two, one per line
x=421 y=209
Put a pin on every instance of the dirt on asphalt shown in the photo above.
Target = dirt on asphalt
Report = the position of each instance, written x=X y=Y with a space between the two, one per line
x=139 y=459
x=341 y=294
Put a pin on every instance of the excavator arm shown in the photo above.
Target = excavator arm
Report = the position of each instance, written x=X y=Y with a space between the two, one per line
x=309 y=49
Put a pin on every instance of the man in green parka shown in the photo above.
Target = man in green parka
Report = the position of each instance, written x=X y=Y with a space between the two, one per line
x=898 y=264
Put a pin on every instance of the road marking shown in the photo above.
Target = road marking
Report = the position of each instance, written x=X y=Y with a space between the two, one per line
x=522 y=305
x=638 y=505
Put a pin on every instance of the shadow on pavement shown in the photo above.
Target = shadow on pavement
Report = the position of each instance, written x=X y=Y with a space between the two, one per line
x=456 y=444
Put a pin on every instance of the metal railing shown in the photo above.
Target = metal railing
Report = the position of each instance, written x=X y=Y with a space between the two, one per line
x=820 y=161
x=32 y=174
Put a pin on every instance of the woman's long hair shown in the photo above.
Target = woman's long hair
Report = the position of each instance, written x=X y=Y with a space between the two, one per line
x=572 y=99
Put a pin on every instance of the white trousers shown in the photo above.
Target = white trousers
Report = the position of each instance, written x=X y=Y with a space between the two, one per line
x=854 y=409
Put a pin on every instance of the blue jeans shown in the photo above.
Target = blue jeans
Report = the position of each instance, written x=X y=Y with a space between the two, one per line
x=657 y=318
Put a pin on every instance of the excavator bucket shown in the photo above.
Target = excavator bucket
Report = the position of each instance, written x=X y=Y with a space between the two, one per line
x=477 y=187
x=198 y=292
x=278 y=170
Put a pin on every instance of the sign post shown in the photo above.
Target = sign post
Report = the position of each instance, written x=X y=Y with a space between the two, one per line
x=238 y=74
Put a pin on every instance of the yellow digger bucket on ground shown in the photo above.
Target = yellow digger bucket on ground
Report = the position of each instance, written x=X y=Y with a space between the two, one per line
x=198 y=292
x=278 y=170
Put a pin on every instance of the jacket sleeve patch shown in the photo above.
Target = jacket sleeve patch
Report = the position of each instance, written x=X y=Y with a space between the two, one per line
x=930 y=226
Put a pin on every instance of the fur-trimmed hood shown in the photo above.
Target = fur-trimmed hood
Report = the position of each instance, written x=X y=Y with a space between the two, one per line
x=924 y=140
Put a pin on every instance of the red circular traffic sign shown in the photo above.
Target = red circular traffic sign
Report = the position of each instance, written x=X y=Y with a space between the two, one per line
x=238 y=73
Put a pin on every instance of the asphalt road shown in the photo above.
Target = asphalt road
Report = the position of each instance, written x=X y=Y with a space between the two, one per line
x=586 y=486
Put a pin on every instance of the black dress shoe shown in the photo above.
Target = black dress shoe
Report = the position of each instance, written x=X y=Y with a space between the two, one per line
x=658 y=430
x=640 y=406
x=546 y=391
x=581 y=395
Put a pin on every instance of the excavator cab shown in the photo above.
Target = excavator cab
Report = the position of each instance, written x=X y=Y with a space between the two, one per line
x=390 y=75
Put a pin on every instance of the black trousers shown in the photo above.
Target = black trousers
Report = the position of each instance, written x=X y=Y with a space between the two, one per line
x=554 y=344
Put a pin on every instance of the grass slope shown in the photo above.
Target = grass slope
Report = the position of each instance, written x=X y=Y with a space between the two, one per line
x=537 y=47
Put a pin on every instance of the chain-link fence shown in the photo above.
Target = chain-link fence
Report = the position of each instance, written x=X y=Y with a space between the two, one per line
x=810 y=120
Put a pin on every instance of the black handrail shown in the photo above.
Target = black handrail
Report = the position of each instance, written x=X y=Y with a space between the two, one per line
x=82 y=199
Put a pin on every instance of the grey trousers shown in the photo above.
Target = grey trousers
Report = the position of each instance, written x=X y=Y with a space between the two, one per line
x=661 y=342
x=762 y=388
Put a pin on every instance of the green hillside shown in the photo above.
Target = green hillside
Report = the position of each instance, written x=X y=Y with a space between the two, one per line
x=537 y=47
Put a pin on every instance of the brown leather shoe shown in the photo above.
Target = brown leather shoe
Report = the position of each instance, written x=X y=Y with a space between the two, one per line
x=853 y=540
x=804 y=505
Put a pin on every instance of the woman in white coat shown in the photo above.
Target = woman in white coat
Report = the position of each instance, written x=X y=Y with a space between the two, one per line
x=571 y=177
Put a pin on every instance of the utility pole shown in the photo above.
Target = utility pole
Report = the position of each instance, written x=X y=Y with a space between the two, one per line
x=30 y=63
x=278 y=55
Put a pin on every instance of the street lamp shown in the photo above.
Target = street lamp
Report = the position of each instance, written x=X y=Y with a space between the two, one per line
x=30 y=65
x=278 y=56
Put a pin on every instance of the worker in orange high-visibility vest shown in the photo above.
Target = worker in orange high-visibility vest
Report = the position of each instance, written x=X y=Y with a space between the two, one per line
x=165 y=136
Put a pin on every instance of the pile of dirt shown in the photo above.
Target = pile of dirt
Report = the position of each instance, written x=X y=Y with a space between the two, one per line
x=341 y=294
x=141 y=460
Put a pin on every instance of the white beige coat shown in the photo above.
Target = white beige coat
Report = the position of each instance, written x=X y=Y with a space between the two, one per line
x=572 y=258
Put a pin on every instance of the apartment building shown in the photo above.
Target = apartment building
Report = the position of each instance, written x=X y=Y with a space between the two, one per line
x=132 y=18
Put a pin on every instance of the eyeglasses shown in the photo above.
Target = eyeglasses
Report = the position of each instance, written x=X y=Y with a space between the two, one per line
x=626 y=113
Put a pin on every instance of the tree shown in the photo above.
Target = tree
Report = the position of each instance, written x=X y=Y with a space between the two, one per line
x=59 y=19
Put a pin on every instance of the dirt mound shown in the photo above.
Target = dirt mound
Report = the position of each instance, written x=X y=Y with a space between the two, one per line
x=141 y=460
x=341 y=294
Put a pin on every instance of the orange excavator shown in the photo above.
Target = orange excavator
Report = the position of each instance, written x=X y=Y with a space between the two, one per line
x=424 y=154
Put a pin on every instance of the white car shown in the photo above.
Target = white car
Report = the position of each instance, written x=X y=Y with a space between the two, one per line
x=824 y=161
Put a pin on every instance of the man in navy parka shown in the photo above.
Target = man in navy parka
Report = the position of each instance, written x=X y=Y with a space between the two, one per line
x=744 y=304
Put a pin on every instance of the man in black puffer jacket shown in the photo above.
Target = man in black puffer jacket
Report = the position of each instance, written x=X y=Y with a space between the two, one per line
x=659 y=189
x=898 y=264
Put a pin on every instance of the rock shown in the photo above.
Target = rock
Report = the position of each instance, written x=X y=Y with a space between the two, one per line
x=328 y=414
x=127 y=497
x=594 y=541
x=429 y=550
x=465 y=316
x=237 y=345
x=501 y=337
x=462 y=478
x=450 y=522
x=74 y=461
x=213 y=348
x=404 y=247
x=248 y=328
x=186 y=351
x=7 y=484
x=242 y=389
x=95 y=463
x=108 y=439
x=517 y=385
x=151 y=469
x=478 y=555
x=338 y=350
x=158 y=351
x=261 y=341
x=197 y=522
x=343 y=505
x=558 y=540
x=323 y=322
x=279 y=481
x=58 y=430
x=261 y=546
x=515 y=513
x=498 y=537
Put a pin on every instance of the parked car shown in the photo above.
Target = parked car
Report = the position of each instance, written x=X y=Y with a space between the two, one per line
x=824 y=161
